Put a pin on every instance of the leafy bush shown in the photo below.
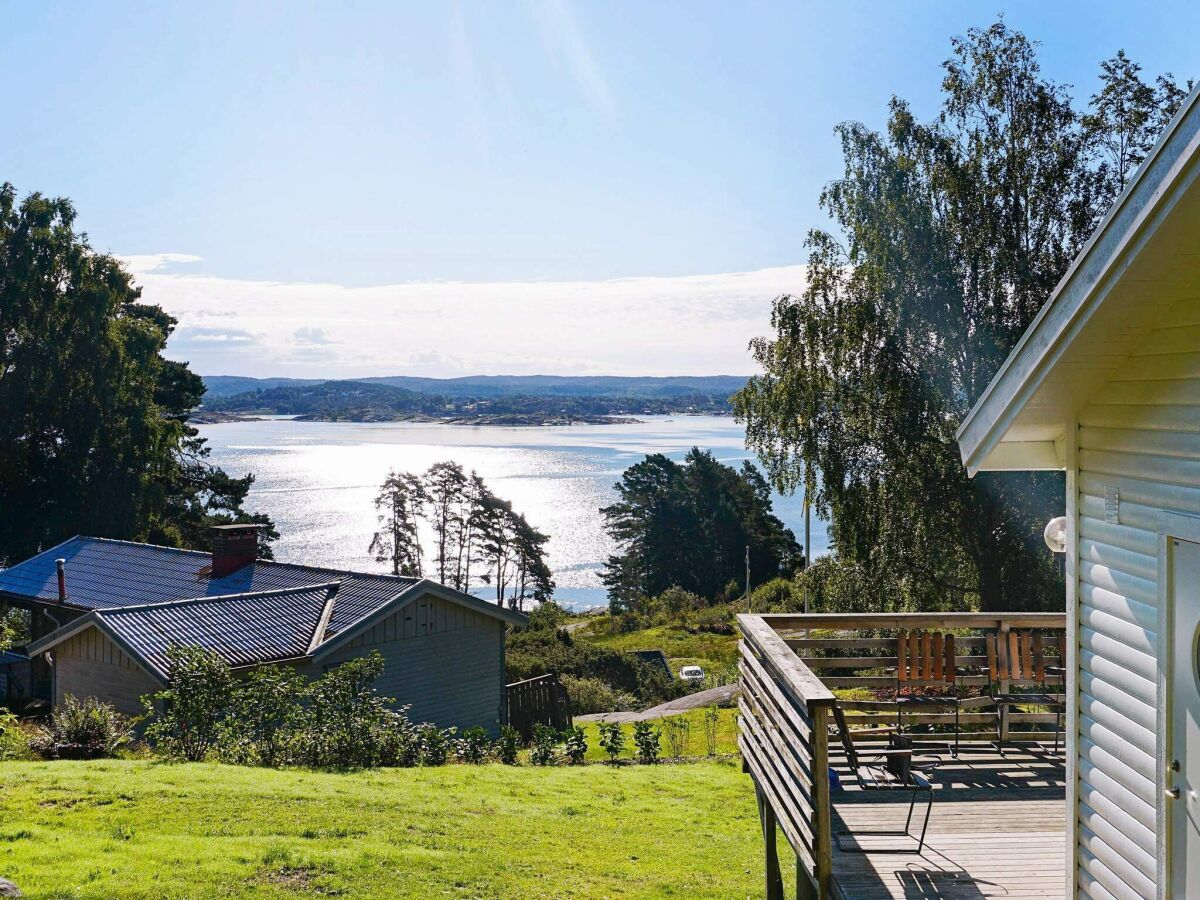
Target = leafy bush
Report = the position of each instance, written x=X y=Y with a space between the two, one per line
x=508 y=745
x=645 y=739
x=265 y=716
x=842 y=585
x=434 y=744
x=83 y=729
x=187 y=718
x=710 y=721
x=346 y=722
x=675 y=732
x=777 y=595
x=591 y=695
x=547 y=616
x=14 y=744
x=533 y=653
x=472 y=746
x=545 y=739
x=575 y=745
x=714 y=620
x=612 y=740
x=676 y=600
x=398 y=743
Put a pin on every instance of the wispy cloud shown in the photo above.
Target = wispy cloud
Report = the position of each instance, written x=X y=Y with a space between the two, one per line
x=154 y=262
x=567 y=46
x=696 y=324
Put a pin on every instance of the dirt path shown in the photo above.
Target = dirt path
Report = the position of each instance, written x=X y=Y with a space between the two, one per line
x=721 y=696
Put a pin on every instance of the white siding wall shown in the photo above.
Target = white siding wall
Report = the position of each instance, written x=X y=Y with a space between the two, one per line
x=1140 y=435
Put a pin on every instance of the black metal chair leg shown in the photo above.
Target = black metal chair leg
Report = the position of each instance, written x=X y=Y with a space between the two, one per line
x=925 y=827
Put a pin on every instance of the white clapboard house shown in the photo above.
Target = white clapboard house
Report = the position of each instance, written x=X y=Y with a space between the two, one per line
x=1105 y=385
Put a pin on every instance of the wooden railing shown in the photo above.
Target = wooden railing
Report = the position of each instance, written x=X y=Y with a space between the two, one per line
x=784 y=739
x=785 y=711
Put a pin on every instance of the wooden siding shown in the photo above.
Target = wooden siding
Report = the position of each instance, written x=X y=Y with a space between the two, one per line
x=91 y=665
x=1140 y=436
x=443 y=659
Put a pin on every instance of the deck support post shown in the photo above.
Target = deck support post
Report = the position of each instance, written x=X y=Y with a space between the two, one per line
x=766 y=817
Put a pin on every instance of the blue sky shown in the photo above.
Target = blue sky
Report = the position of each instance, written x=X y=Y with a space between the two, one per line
x=441 y=188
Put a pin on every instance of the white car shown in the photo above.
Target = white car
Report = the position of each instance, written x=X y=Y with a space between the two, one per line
x=691 y=673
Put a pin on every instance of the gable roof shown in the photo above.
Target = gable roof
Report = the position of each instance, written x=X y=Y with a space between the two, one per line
x=1141 y=260
x=108 y=574
x=243 y=629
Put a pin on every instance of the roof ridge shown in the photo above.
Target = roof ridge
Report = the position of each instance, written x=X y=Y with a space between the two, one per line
x=220 y=598
x=318 y=635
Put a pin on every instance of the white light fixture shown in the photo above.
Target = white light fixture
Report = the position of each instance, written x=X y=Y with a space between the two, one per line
x=1055 y=535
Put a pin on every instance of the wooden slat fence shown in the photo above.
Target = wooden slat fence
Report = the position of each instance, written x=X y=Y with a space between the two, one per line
x=783 y=736
x=537 y=701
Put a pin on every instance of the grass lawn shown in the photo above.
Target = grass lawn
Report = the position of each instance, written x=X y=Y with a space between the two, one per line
x=712 y=651
x=139 y=829
x=696 y=745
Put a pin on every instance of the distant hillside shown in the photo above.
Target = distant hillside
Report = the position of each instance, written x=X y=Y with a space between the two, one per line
x=488 y=401
x=480 y=386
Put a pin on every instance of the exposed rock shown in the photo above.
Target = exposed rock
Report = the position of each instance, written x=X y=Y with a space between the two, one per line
x=8 y=889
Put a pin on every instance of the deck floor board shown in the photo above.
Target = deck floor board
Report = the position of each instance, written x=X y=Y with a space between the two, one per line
x=997 y=830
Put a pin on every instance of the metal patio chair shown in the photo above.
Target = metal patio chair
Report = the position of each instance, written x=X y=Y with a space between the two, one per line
x=1017 y=660
x=894 y=769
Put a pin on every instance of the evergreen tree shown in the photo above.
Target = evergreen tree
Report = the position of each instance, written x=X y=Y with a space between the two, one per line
x=446 y=488
x=401 y=502
x=93 y=419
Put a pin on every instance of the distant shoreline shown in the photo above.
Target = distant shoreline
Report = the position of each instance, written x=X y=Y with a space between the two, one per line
x=509 y=420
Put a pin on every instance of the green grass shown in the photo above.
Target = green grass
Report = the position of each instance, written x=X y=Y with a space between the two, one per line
x=137 y=829
x=712 y=651
x=696 y=744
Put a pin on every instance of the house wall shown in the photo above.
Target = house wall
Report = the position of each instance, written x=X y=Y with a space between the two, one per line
x=443 y=659
x=1140 y=436
x=91 y=665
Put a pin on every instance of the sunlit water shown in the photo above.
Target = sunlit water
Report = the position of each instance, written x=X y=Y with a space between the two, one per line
x=317 y=480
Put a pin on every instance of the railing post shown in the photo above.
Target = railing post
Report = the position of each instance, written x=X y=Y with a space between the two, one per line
x=1002 y=635
x=766 y=817
x=822 y=817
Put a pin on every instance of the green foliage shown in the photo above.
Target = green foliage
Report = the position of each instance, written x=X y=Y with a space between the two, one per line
x=646 y=742
x=547 y=616
x=472 y=746
x=532 y=653
x=14 y=744
x=434 y=743
x=953 y=233
x=591 y=695
x=82 y=729
x=93 y=439
x=575 y=745
x=545 y=740
x=399 y=504
x=711 y=722
x=346 y=721
x=779 y=595
x=836 y=584
x=187 y=718
x=612 y=740
x=264 y=717
x=687 y=526
x=675 y=732
x=508 y=745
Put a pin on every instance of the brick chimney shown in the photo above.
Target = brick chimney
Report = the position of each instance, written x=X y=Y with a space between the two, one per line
x=233 y=546
x=61 y=566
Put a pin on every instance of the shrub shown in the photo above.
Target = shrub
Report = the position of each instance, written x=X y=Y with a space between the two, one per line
x=714 y=620
x=710 y=720
x=545 y=738
x=645 y=739
x=346 y=722
x=13 y=743
x=612 y=740
x=591 y=695
x=675 y=732
x=547 y=616
x=508 y=745
x=575 y=745
x=777 y=595
x=264 y=718
x=83 y=729
x=677 y=600
x=187 y=717
x=472 y=746
x=434 y=743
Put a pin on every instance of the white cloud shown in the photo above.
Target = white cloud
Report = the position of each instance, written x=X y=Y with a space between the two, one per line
x=153 y=262
x=696 y=324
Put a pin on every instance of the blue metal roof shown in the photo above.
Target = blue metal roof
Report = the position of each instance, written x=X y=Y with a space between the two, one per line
x=244 y=629
x=109 y=574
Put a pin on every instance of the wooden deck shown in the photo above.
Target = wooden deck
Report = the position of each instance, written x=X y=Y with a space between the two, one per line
x=997 y=830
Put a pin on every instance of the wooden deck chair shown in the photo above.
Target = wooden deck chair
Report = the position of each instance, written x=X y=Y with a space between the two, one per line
x=892 y=769
x=925 y=667
x=1018 y=660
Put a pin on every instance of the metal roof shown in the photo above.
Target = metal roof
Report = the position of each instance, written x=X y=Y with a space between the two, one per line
x=243 y=629
x=110 y=574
